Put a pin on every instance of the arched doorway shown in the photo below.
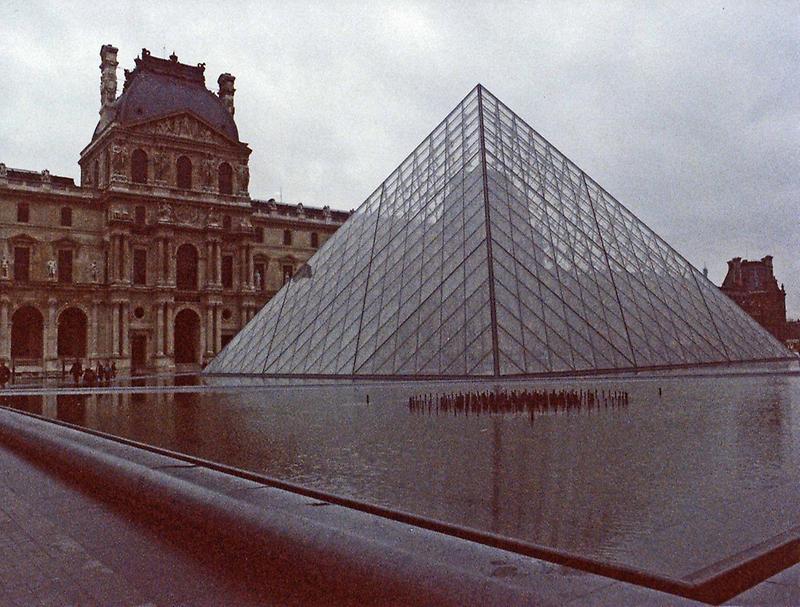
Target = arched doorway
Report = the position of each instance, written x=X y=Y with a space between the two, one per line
x=27 y=333
x=186 y=266
x=187 y=337
x=72 y=333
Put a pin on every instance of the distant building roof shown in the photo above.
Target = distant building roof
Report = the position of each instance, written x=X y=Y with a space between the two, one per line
x=160 y=87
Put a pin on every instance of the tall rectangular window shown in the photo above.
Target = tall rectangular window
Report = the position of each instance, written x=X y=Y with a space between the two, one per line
x=66 y=216
x=23 y=212
x=227 y=271
x=314 y=240
x=140 y=215
x=259 y=234
x=140 y=266
x=287 y=237
x=22 y=264
x=65 y=266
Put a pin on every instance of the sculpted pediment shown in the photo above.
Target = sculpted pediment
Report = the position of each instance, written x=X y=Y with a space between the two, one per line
x=183 y=126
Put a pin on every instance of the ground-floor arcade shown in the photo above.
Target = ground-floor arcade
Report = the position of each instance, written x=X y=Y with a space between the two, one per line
x=43 y=335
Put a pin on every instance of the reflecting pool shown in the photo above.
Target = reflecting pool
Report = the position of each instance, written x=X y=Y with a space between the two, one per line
x=690 y=471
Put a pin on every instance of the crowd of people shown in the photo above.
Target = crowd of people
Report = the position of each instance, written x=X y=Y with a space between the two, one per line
x=515 y=401
x=92 y=376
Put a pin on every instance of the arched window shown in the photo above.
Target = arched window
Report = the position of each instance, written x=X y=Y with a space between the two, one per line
x=184 y=173
x=139 y=166
x=225 y=178
x=66 y=216
x=27 y=331
x=186 y=262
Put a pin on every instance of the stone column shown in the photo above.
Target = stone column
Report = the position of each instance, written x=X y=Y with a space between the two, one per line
x=93 y=330
x=209 y=330
x=209 y=264
x=251 y=266
x=159 y=329
x=126 y=259
x=126 y=314
x=170 y=346
x=218 y=328
x=160 y=278
x=112 y=258
x=51 y=340
x=5 y=332
x=218 y=264
x=114 y=329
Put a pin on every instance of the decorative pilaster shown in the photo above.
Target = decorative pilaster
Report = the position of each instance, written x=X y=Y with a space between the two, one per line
x=5 y=331
x=159 y=329
x=217 y=327
x=115 y=329
x=126 y=317
x=170 y=346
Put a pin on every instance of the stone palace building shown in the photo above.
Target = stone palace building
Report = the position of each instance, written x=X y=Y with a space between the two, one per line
x=160 y=255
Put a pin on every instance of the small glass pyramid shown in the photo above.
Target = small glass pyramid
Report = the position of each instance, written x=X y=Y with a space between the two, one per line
x=489 y=253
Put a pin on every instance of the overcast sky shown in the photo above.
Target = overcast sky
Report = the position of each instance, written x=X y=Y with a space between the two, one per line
x=689 y=113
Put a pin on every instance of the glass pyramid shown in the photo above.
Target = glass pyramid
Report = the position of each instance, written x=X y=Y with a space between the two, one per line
x=489 y=253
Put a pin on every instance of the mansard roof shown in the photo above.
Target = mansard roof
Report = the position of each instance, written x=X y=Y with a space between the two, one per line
x=161 y=87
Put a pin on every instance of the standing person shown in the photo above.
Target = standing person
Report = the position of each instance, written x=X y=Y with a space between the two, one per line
x=89 y=376
x=5 y=373
x=76 y=370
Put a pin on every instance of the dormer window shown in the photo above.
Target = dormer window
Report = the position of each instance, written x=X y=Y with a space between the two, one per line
x=139 y=166
x=184 y=167
x=66 y=216
x=225 y=178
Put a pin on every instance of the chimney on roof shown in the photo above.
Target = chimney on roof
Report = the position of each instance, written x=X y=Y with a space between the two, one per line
x=226 y=91
x=108 y=76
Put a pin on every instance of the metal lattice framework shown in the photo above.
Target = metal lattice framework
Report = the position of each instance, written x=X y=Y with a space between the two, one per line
x=489 y=253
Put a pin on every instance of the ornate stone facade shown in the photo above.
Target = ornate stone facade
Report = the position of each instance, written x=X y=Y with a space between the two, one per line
x=160 y=255
x=753 y=286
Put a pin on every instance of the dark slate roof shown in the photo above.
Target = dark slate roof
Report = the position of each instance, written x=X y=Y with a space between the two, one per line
x=162 y=87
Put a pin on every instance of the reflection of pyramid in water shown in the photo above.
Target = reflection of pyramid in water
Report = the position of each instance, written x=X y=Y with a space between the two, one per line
x=487 y=252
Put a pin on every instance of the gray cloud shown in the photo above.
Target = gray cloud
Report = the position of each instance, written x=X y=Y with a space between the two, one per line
x=686 y=112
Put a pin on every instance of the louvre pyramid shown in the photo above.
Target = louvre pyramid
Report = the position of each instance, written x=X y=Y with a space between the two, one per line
x=489 y=253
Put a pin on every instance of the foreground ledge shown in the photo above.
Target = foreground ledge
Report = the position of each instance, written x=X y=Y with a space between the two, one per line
x=344 y=554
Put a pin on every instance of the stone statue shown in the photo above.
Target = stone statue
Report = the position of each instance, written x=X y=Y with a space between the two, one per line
x=3 y=171
x=207 y=172
x=51 y=269
x=244 y=177
x=93 y=271
x=46 y=177
x=160 y=165
x=119 y=160
x=4 y=267
x=257 y=280
x=165 y=213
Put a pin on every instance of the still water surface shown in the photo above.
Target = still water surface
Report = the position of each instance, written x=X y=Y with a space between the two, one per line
x=670 y=483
